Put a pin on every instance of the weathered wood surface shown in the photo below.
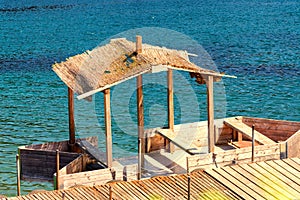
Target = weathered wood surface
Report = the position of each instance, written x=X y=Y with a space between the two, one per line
x=98 y=177
x=278 y=179
x=41 y=164
x=277 y=130
x=61 y=145
x=243 y=155
x=93 y=151
x=187 y=146
x=237 y=124
x=189 y=135
x=293 y=145
x=77 y=165
x=203 y=186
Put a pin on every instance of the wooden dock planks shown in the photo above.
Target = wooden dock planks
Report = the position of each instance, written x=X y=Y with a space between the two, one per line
x=263 y=180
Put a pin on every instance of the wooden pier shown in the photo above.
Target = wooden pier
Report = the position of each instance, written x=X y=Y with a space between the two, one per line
x=213 y=146
x=274 y=179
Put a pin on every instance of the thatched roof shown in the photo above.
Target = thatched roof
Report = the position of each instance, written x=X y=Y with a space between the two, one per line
x=108 y=65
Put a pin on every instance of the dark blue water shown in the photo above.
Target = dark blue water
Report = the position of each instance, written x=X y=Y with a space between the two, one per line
x=257 y=41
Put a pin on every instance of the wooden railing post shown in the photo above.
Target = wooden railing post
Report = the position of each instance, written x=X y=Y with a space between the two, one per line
x=57 y=170
x=18 y=175
x=71 y=119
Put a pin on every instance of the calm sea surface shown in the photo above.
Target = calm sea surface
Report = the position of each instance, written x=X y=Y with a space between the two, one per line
x=257 y=41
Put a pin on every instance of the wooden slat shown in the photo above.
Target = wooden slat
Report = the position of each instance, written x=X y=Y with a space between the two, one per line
x=284 y=171
x=249 y=186
x=238 y=125
x=292 y=164
x=275 y=180
x=233 y=184
x=279 y=175
x=277 y=189
x=258 y=186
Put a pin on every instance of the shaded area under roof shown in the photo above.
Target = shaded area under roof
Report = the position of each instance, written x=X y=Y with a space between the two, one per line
x=108 y=65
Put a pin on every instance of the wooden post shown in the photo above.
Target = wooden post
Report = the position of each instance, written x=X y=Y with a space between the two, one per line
x=18 y=175
x=253 y=144
x=210 y=113
x=138 y=44
x=170 y=107
x=189 y=178
x=107 y=114
x=57 y=169
x=71 y=119
x=140 y=118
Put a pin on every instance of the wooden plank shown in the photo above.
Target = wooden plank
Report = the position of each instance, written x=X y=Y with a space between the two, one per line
x=249 y=186
x=108 y=132
x=285 y=171
x=75 y=166
x=293 y=147
x=296 y=160
x=210 y=113
x=169 y=135
x=237 y=124
x=279 y=175
x=263 y=189
x=283 y=184
x=93 y=151
x=234 y=185
x=278 y=189
x=140 y=116
x=71 y=119
x=292 y=164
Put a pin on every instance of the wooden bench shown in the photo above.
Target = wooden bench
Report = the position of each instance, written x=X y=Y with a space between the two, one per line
x=237 y=125
x=171 y=136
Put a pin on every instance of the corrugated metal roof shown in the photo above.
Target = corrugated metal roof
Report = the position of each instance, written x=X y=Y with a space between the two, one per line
x=117 y=61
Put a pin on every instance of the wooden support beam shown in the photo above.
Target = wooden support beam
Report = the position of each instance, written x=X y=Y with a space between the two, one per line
x=138 y=44
x=210 y=113
x=18 y=175
x=240 y=137
x=57 y=170
x=108 y=133
x=71 y=119
x=140 y=118
x=171 y=146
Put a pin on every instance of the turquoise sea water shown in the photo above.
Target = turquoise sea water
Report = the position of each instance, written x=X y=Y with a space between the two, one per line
x=257 y=41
